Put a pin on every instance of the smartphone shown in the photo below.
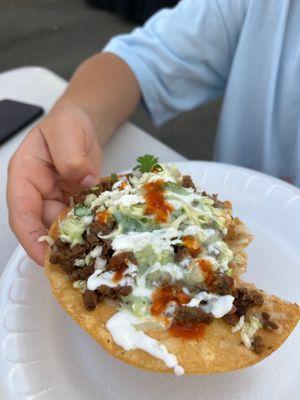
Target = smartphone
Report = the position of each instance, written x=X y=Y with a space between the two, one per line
x=15 y=115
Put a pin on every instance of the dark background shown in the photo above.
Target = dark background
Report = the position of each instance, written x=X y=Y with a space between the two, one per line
x=60 y=34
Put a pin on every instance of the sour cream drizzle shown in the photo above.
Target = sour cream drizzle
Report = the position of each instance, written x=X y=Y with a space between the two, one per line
x=121 y=327
x=216 y=304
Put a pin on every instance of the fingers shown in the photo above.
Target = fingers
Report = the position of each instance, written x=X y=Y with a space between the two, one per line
x=51 y=209
x=25 y=210
x=61 y=150
x=31 y=179
x=73 y=148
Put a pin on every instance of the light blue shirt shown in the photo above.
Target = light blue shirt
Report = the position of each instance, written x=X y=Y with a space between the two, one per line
x=246 y=50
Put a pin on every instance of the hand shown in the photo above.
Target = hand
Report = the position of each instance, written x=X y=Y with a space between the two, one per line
x=60 y=154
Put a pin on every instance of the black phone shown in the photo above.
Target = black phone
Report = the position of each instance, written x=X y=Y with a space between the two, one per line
x=15 y=115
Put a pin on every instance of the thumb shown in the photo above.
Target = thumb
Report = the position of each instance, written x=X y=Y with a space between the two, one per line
x=75 y=153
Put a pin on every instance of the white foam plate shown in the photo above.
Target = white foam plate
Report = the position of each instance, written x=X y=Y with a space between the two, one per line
x=44 y=355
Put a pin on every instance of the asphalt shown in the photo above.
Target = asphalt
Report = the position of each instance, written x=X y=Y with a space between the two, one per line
x=59 y=35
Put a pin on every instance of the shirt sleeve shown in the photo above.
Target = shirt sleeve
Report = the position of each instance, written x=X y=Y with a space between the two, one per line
x=182 y=56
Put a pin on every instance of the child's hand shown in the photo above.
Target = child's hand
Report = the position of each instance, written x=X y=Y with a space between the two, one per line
x=59 y=154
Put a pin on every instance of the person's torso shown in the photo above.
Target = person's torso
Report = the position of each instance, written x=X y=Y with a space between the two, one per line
x=260 y=121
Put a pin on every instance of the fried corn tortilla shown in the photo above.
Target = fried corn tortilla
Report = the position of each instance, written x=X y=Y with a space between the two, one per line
x=260 y=324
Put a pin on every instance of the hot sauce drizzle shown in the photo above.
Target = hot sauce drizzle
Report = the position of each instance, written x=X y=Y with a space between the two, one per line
x=123 y=185
x=102 y=216
x=206 y=267
x=160 y=299
x=118 y=275
x=192 y=244
x=155 y=201
x=187 y=331
x=163 y=295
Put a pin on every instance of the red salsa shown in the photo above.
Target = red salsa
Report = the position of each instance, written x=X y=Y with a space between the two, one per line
x=163 y=295
x=155 y=202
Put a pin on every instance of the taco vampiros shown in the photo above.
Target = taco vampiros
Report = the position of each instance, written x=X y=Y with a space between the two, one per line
x=151 y=268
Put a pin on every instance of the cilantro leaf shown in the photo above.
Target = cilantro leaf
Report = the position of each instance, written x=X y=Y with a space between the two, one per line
x=114 y=177
x=147 y=163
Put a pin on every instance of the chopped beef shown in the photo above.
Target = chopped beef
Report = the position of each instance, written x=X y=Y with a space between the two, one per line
x=73 y=275
x=89 y=299
x=164 y=279
x=97 y=227
x=258 y=344
x=217 y=203
x=107 y=251
x=213 y=196
x=85 y=272
x=106 y=291
x=92 y=239
x=60 y=244
x=191 y=315
x=246 y=298
x=220 y=204
x=66 y=256
x=77 y=251
x=267 y=323
x=105 y=229
x=181 y=253
x=222 y=284
x=123 y=290
x=187 y=182
x=79 y=197
x=113 y=292
x=120 y=261
x=231 y=318
x=258 y=298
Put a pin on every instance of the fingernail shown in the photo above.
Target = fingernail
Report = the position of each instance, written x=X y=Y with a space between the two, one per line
x=89 y=181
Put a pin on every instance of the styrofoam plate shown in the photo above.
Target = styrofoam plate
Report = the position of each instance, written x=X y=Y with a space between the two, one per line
x=44 y=355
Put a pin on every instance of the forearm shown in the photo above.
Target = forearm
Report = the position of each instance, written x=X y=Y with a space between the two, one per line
x=106 y=89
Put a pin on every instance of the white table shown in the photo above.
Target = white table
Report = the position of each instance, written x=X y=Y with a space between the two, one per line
x=42 y=87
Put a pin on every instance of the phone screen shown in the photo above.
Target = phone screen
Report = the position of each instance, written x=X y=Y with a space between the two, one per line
x=14 y=116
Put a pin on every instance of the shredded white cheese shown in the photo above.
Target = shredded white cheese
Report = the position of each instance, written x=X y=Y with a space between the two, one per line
x=239 y=325
x=249 y=330
x=46 y=238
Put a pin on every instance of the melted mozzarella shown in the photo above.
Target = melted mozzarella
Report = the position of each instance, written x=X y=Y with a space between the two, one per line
x=160 y=240
x=121 y=327
x=216 y=304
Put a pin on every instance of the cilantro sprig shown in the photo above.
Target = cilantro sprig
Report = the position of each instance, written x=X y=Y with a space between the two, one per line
x=147 y=163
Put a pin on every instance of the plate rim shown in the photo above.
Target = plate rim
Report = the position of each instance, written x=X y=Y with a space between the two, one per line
x=10 y=268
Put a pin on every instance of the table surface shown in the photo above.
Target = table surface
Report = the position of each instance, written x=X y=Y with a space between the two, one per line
x=42 y=87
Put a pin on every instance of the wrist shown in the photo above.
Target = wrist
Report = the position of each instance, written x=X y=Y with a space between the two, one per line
x=86 y=116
